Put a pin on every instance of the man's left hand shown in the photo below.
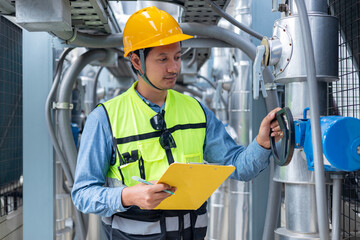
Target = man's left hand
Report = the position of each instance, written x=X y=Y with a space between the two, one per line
x=263 y=138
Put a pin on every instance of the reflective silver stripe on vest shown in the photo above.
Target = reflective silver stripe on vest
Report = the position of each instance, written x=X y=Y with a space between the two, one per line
x=201 y=221
x=144 y=228
x=106 y=220
x=136 y=227
x=172 y=223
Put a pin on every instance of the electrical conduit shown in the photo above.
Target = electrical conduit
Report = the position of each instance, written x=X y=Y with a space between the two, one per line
x=49 y=123
x=321 y=201
x=64 y=116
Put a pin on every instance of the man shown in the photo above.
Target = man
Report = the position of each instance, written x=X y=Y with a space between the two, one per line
x=142 y=131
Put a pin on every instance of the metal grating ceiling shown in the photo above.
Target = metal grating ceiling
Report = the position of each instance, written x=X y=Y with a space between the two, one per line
x=93 y=17
x=200 y=11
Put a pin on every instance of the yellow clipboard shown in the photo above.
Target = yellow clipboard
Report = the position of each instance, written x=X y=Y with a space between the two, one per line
x=194 y=184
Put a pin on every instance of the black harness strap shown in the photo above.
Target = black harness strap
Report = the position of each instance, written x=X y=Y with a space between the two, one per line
x=154 y=134
x=169 y=156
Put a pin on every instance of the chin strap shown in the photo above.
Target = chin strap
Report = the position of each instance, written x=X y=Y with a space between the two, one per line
x=143 y=67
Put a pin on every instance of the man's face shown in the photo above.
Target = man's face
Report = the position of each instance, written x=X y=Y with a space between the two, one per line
x=163 y=65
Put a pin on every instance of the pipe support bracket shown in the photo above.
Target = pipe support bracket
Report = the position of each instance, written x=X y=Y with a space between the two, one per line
x=62 y=105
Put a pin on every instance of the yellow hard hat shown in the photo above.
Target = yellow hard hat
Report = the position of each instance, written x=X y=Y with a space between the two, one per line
x=151 y=27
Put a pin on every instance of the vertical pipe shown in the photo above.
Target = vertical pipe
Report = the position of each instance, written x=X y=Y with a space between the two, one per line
x=321 y=202
x=336 y=204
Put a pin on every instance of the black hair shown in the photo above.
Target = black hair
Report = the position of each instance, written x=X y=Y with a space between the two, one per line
x=137 y=52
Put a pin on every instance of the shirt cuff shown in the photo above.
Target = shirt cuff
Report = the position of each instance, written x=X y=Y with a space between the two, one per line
x=260 y=145
x=262 y=152
x=117 y=204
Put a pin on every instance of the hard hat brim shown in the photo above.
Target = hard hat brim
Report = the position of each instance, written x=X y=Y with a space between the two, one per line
x=162 y=42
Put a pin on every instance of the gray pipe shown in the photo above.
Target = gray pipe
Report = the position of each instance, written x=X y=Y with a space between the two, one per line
x=273 y=205
x=182 y=88
x=95 y=87
x=49 y=122
x=91 y=41
x=321 y=201
x=336 y=206
x=232 y=20
x=214 y=87
x=65 y=97
x=64 y=117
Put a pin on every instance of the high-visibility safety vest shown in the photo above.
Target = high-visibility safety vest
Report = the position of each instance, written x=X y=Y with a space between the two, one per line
x=140 y=153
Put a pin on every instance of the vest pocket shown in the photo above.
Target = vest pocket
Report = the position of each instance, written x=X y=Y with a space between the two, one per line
x=129 y=170
x=154 y=157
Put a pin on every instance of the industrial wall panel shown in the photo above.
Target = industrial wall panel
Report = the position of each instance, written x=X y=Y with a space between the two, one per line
x=11 y=131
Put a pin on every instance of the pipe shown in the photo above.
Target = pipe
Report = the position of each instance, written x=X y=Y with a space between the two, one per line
x=91 y=41
x=193 y=59
x=182 y=88
x=336 y=206
x=49 y=122
x=232 y=20
x=95 y=86
x=214 y=86
x=273 y=205
x=65 y=97
x=64 y=116
x=321 y=201
x=184 y=54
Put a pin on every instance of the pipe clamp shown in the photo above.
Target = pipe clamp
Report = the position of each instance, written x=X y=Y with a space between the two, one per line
x=62 y=105
x=270 y=86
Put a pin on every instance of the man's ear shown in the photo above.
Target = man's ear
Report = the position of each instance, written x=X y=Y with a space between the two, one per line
x=135 y=61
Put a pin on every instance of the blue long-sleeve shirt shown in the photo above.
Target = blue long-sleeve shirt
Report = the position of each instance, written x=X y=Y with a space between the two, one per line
x=96 y=153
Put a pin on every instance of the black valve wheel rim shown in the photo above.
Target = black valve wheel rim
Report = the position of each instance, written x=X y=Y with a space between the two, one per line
x=284 y=157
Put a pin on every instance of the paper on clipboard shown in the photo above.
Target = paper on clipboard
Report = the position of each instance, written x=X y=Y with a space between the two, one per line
x=194 y=184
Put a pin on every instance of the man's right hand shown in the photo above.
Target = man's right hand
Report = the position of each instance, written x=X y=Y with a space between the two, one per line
x=145 y=196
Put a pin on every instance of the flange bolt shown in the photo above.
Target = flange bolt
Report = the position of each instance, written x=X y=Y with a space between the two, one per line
x=358 y=149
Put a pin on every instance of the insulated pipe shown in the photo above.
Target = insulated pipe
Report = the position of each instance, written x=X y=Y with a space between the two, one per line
x=49 y=122
x=321 y=202
x=64 y=117
x=232 y=20
x=336 y=206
